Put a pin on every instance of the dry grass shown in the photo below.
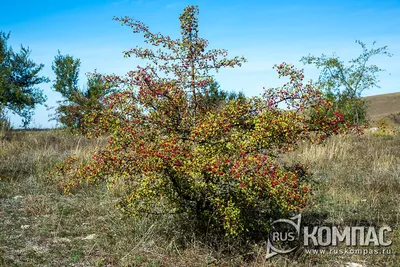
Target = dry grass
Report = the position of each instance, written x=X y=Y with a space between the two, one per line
x=357 y=182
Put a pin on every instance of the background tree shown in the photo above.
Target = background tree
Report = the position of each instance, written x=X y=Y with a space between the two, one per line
x=19 y=76
x=344 y=84
x=76 y=102
x=213 y=96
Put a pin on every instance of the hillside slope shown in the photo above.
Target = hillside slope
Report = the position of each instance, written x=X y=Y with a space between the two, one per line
x=385 y=106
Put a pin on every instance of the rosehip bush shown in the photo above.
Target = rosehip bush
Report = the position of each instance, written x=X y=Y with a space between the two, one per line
x=219 y=165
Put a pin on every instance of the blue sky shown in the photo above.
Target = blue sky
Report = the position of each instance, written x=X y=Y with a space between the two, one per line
x=265 y=32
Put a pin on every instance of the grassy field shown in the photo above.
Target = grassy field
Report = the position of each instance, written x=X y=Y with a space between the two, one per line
x=357 y=182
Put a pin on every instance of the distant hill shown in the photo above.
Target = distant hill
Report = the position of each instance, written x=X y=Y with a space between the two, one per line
x=385 y=106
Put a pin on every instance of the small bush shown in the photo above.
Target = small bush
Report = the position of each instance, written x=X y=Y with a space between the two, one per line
x=385 y=129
